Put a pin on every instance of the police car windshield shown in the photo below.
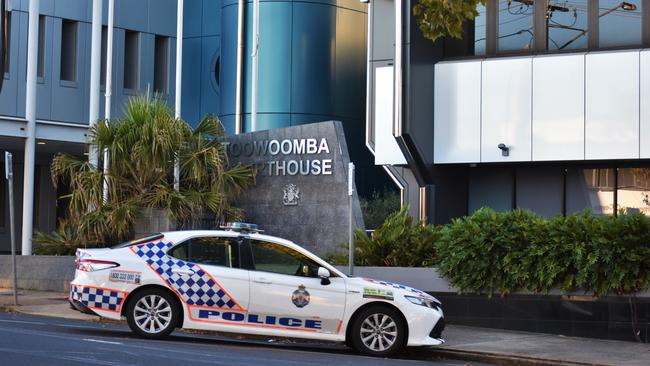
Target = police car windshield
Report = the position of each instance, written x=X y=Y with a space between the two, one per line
x=138 y=241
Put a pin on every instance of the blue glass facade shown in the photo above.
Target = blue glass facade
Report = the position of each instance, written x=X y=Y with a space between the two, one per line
x=311 y=63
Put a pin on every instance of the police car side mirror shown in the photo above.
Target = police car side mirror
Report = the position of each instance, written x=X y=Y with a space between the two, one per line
x=324 y=275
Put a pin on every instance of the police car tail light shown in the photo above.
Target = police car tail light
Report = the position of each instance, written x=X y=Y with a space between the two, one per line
x=91 y=265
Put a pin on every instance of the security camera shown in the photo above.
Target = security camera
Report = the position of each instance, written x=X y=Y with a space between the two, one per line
x=505 y=150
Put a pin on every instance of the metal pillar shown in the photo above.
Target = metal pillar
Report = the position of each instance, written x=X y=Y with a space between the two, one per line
x=95 y=74
x=109 y=88
x=179 y=81
x=30 y=130
x=255 y=62
x=241 y=8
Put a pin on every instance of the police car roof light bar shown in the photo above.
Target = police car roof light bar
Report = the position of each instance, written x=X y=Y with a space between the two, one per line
x=242 y=227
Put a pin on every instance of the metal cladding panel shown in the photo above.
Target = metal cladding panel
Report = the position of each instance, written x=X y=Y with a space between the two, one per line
x=457 y=116
x=209 y=87
x=387 y=152
x=612 y=105
x=313 y=59
x=274 y=76
x=558 y=107
x=645 y=105
x=228 y=59
x=506 y=113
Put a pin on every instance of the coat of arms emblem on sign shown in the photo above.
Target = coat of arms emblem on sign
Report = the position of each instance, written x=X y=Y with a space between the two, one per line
x=290 y=195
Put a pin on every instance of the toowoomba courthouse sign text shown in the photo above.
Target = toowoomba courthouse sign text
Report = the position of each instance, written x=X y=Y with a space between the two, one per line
x=306 y=155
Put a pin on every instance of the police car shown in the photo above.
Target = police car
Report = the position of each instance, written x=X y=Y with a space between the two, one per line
x=241 y=281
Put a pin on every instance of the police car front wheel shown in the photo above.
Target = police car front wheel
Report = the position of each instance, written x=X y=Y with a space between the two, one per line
x=378 y=331
x=152 y=313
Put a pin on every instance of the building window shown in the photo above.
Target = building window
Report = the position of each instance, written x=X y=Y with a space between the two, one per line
x=633 y=190
x=8 y=39
x=69 y=50
x=591 y=189
x=479 y=31
x=102 y=77
x=131 y=60
x=515 y=25
x=40 y=68
x=3 y=199
x=619 y=23
x=567 y=25
x=161 y=65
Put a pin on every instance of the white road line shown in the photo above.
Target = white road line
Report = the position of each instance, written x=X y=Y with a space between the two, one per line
x=22 y=322
x=100 y=341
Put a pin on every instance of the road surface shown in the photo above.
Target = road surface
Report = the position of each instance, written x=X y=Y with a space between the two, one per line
x=32 y=340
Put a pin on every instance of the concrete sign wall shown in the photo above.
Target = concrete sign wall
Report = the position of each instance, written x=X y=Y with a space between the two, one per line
x=301 y=192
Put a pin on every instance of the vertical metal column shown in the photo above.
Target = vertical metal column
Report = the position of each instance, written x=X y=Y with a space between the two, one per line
x=350 y=221
x=109 y=87
x=95 y=74
x=179 y=82
x=9 y=174
x=255 y=63
x=30 y=130
x=241 y=8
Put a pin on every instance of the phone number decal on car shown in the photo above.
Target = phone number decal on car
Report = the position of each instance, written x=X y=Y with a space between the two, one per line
x=124 y=276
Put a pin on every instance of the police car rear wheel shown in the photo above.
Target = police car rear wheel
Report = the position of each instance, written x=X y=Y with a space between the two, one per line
x=152 y=313
x=378 y=331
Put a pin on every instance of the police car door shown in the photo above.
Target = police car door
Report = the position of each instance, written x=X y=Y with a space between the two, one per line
x=287 y=293
x=211 y=282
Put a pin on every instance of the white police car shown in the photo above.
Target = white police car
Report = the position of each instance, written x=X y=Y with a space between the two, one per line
x=241 y=281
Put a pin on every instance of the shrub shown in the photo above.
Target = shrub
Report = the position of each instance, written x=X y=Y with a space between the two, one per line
x=492 y=252
x=377 y=208
x=398 y=242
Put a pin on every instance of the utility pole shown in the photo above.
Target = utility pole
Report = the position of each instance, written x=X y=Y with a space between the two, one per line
x=179 y=86
x=109 y=88
x=30 y=130
x=255 y=63
x=95 y=75
x=350 y=221
x=9 y=174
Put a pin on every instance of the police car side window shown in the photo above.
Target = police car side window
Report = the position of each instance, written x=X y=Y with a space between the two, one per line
x=213 y=251
x=276 y=258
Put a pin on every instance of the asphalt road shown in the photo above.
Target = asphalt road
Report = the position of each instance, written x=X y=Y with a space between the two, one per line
x=34 y=341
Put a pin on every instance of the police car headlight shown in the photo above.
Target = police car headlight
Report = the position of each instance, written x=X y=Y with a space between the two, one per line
x=423 y=302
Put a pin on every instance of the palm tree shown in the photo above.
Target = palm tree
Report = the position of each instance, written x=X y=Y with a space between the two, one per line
x=143 y=147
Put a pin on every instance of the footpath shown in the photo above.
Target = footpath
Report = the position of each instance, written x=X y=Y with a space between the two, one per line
x=494 y=346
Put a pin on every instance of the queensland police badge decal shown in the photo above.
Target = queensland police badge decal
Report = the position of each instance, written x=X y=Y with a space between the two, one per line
x=300 y=297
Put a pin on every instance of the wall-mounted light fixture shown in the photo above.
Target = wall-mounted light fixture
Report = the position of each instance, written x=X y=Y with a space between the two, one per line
x=505 y=150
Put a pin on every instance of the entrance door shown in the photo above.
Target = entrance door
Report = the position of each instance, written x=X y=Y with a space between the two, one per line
x=286 y=290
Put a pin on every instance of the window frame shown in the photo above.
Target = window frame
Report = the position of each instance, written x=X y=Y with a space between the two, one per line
x=74 y=57
x=236 y=259
x=540 y=33
x=165 y=72
x=131 y=89
x=249 y=243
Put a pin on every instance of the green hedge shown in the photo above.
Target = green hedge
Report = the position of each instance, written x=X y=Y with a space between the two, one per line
x=503 y=252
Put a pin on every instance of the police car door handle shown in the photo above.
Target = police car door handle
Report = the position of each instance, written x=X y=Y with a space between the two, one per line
x=179 y=271
x=262 y=280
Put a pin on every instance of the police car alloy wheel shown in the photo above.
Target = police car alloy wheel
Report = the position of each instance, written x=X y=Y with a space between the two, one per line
x=378 y=331
x=152 y=313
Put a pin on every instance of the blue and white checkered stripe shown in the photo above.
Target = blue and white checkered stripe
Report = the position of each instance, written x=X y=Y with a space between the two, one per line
x=97 y=298
x=398 y=286
x=195 y=289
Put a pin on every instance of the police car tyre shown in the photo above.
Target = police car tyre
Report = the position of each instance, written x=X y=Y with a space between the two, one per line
x=378 y=331
x=152 y=313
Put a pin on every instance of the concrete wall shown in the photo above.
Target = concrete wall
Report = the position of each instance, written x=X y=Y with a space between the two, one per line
x=45 y=273
x=54 y=273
